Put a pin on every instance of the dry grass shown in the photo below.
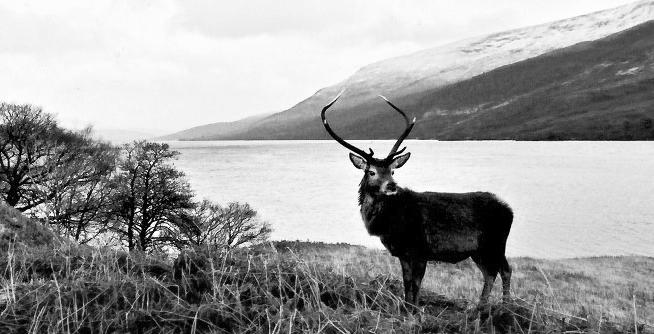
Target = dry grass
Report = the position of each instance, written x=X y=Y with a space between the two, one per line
x=598 y=289
x=306 y=288
x=16 y=228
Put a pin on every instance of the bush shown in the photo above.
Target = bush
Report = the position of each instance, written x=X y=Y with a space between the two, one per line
x=223 y=228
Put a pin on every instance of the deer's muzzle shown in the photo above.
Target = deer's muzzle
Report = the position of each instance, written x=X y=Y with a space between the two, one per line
x=389 y=188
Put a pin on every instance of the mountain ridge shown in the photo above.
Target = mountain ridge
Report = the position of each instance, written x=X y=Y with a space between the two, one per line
x=424 y=71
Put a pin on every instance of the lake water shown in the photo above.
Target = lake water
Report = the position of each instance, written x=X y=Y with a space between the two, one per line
x=569 y=199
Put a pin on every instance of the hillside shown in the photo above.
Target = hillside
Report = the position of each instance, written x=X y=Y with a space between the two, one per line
x=600 y=90
x=424 y=73
x=206 y=132
x=15 y=228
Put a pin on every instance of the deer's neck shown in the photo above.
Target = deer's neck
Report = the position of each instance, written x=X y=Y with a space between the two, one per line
x=374 y=210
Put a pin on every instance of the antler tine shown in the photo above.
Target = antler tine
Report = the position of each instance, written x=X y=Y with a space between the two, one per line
x=322 y=114
x=408 y=127
x=398 y=152
x=336 y=137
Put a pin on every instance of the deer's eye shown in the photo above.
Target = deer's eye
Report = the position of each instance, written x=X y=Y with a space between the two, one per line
x=371 y=173
x=392 y=172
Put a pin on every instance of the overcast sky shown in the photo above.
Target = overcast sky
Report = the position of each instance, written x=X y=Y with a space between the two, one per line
x=162 y=66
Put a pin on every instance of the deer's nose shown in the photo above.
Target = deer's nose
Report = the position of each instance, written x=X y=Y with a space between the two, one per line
x=391 y=187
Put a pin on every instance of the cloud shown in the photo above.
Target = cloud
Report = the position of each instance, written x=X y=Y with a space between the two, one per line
x=360 y=21
x=261 y=17
x=338 y=22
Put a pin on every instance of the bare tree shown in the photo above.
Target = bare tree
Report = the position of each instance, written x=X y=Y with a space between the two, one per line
x=202 y=229
x=153 y=197
x=228 y=227
x=82 y=210
x=241 y=225
x=28 y=141
x=54 y=174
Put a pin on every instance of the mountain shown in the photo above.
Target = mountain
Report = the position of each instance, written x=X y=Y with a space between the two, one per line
x=209 y=131
x=599 y=90
x=410 y=81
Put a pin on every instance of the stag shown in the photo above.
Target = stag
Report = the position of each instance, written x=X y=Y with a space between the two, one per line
x=417 y=227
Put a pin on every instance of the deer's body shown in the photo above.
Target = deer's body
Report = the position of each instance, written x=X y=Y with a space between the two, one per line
x=446 y=227
x=438 y=226
x=430 y=226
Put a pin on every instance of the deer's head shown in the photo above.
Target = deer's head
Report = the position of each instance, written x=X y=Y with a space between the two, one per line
x=378 y=173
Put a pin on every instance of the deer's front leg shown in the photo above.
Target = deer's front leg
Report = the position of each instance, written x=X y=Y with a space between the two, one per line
x=412 y=273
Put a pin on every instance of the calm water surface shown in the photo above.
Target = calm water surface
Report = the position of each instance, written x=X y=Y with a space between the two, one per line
x=569 y=198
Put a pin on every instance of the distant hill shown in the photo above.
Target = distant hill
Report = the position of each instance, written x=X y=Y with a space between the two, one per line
x=214 y=130
x=468 y=70
x=119 y=136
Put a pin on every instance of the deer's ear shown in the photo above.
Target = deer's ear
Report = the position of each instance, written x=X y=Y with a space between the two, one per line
x=358 y=161
x=400 y=161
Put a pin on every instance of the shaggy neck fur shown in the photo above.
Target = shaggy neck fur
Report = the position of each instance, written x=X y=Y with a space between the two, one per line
x=362 y=190
x=380 y=212
x=366 y=190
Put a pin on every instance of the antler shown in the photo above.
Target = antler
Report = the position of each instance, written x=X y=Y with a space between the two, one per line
x=408 y=127
x=349 y=146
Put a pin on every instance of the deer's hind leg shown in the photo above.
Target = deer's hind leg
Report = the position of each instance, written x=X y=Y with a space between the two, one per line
x=489 y=270
x=505 y=274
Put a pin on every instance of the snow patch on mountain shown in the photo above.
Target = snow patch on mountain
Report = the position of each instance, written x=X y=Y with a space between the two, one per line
x=630 y=71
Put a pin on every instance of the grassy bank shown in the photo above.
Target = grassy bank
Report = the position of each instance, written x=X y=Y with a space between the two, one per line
x=48 y=285
x=308 y=287
x=591 y=288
